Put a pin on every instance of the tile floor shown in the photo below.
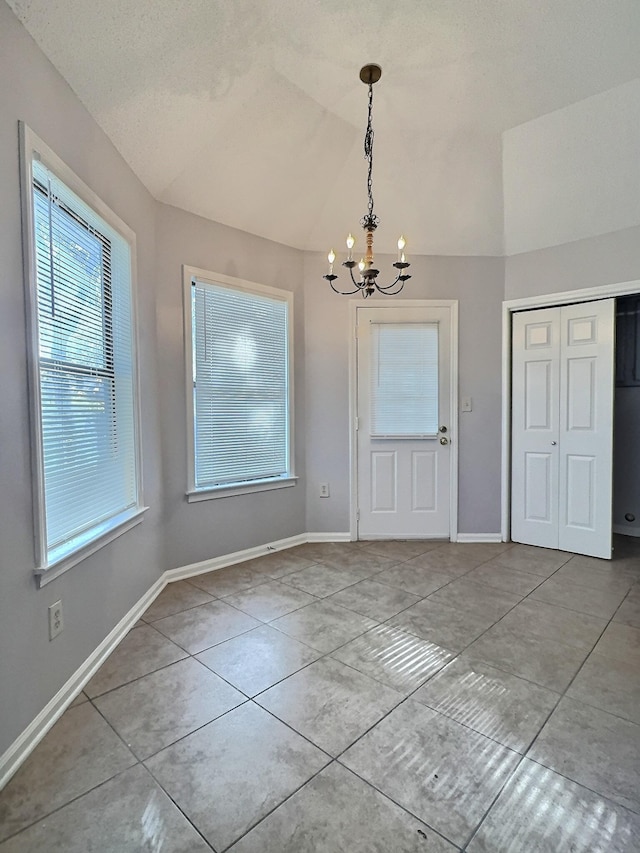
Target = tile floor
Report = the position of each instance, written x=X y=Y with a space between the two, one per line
x=401 y=697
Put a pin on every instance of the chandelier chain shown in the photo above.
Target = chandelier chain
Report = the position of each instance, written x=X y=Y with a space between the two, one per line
x=368 y=151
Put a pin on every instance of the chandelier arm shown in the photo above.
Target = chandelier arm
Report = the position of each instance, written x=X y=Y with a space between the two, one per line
x=387 y=287
x=358 y=284
x=344 y=292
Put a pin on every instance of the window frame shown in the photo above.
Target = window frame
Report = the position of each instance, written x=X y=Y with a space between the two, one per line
x=191 y=274
x=33 y=148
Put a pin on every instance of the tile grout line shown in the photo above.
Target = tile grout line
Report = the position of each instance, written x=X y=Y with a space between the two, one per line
x=548 y=717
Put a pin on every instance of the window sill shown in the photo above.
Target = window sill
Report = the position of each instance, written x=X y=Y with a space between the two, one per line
x=88 y=544
x=240 y=489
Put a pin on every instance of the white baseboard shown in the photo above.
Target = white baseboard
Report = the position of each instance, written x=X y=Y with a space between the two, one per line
x=328 y=537
x=22 y=747
x=225 y=560
x=26 y=742
x=479 y=537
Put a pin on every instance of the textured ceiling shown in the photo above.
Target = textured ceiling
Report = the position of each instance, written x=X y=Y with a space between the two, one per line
x=251 y=113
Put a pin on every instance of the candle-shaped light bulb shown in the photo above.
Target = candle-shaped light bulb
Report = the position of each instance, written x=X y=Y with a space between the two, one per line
x=351 y=240
x=403 y=260
x=401 y=244
x=361 y=265
x=331 y=258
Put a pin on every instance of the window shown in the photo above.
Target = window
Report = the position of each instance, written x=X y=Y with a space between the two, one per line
x=84 y=407
x=239 y=370
x=404 y=379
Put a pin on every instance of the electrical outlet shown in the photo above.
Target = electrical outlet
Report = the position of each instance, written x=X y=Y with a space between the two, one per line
x=56 y=621
x=324 y=490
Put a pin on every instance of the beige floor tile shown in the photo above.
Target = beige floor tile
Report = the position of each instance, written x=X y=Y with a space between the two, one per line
x=147 y=722
x=324 y=626
x=442 y=772
x=505 y=578
x=80 y=752
x=322 y=580
x=542 y=812
x=360 y=561
x=336 y=811
x=549 y=622
x=476 y=599
x=279 y=563
x=544 y=661
x=606 y=578
x=395 y=658
x=418 y=580
x=142 y=651
x=230 y=774
x=174 y=598
x=621 y=642
x=478 y=551
x=401 y=549
x=329 y=703
x=375 y=600
x=538 y=561
x=80 y=699
x=629 y=612
x=270 y=600
x=438 y=623
x=609 y=684
x=319 y=552
x=566 y=593
x=487 y=700
x=455 y=562
x=258 y=659
x=594 y=749
x=204 y=626
x=128 y=814
x=229 y=580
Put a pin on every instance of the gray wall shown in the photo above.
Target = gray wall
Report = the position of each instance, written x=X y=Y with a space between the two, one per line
x=198 y=531
x=100 y=590
x=606 y=259
x=478 y=285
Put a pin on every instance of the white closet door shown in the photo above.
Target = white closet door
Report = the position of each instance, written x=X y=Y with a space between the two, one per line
x=535 y=422
x=586 y=427
x=562 y=427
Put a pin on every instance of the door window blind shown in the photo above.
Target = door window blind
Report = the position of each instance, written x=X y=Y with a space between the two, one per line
x=404 y=379
x=241 y=386
x=86 y=374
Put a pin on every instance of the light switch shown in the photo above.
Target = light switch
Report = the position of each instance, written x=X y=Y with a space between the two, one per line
x=467 y=404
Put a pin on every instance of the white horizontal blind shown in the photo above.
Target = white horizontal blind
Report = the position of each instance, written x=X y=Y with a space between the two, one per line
x=241 y=386
x=404 y=379
x=86 y=374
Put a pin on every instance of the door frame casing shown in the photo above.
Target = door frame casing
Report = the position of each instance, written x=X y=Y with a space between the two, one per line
x=547 y=300
x=452 y=305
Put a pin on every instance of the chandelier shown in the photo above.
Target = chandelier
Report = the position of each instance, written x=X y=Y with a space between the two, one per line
x=368 y=280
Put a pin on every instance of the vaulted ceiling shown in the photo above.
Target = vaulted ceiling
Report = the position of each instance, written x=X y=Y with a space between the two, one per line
x=251 y=113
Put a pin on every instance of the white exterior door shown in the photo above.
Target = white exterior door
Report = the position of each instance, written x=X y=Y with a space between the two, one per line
x=403 y=422
x=562 y=427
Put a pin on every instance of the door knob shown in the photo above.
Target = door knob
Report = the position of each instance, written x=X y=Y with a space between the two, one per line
x=444 y=440
x=554 y=442
x=443 y=429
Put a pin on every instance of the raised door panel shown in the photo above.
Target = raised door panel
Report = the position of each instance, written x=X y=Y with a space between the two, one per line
x=384 y=481
x=424 y=481
x=586 y=427
x=535 y=409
